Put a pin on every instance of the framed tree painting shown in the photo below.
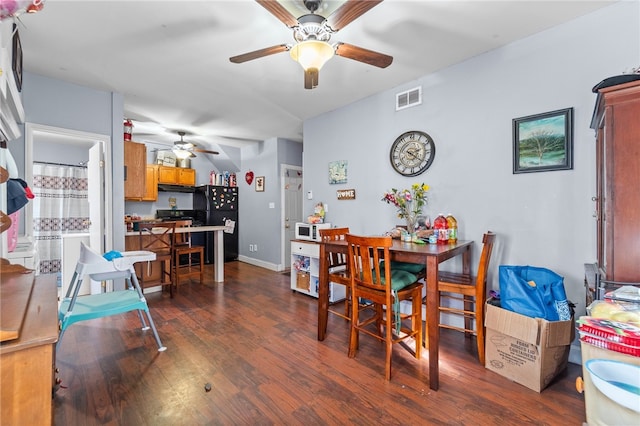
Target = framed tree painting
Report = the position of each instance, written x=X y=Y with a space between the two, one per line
x=543 y=142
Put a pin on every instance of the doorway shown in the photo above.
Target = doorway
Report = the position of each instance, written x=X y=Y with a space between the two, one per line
x=96 y=149
x=291 y=196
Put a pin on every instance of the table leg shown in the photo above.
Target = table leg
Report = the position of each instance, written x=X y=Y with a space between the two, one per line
x=323 y=296
x=218 y=254
x=433 y=330
x=466 y=261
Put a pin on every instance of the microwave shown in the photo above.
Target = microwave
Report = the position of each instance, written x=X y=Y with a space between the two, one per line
x=310 y=231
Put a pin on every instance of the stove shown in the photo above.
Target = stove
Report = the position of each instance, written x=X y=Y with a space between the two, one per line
x=197 y=217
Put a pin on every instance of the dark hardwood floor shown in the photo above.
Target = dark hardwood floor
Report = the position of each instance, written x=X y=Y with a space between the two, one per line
x=254 y=341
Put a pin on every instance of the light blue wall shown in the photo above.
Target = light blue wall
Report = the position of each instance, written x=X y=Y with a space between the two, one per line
x=65 y=105
x=543 y=219
x=260 y=224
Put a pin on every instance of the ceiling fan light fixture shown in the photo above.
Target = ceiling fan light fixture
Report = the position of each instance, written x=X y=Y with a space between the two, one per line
x=182 y=154
x=312 y=54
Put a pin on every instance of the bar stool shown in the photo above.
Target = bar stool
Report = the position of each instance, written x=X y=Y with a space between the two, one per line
x=159 y=238
x=188 y=259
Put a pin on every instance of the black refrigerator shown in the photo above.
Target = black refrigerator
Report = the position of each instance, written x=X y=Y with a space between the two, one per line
x=220 y=203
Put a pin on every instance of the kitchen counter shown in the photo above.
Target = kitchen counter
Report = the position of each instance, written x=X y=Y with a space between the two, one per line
x=218 y=246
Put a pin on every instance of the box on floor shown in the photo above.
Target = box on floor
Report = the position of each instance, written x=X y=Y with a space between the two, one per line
x=529 y=351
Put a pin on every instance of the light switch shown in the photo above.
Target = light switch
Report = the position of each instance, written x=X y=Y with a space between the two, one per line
x=309 y=195
x=272 y=205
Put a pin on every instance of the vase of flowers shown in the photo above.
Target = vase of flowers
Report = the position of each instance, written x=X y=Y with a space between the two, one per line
x=409 y=203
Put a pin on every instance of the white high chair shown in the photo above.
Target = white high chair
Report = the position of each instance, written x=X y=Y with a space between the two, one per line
x=92 y=264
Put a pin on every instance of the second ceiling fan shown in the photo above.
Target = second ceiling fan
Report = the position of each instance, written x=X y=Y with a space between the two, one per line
x=186 y=149
x=312 y=33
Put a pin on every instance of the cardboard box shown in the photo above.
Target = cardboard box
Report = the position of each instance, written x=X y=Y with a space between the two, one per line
x=529 y=351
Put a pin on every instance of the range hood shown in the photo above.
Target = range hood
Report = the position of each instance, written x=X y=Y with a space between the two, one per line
x=175 y=188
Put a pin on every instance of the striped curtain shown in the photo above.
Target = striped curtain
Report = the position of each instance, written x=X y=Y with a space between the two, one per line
x=60 y=206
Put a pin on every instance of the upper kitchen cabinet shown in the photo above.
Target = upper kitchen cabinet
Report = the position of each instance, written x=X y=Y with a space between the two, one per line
x=186 y=177
x=616 y=120
x=151 y=191
x=135 y=170
x=176 y=176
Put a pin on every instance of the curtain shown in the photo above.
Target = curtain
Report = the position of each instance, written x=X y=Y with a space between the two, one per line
x=60 y=206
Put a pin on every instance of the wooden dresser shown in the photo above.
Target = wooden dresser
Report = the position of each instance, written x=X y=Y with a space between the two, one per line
x=616 y=120
x=29 y=330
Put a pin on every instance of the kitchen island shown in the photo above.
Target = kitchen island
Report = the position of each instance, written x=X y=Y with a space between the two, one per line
x=218 y=245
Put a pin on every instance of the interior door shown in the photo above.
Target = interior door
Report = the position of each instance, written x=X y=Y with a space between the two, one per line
x=292 y=208
x=95 y=168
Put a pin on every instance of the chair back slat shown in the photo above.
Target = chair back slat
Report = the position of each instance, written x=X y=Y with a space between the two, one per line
x=365 y=254
x=334 y=259
x=488 y=240
x=158 y=237
x=183 y=238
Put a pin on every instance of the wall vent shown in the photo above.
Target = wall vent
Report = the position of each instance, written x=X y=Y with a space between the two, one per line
x=411 y=97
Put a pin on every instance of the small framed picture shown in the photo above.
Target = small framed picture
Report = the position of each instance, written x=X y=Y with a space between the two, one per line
x=338 y=172
x=543 y=142
x=260 y=184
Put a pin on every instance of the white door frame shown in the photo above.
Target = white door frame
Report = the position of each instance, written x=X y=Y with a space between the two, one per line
x=32 y=132
x=284 y=242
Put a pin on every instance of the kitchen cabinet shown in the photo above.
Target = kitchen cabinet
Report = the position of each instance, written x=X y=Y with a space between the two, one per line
x=617 y=125
x=151 y=183
x=176 y=176
x=305 y=271
x=135 y=161
x=167 y=175
x=186 y=177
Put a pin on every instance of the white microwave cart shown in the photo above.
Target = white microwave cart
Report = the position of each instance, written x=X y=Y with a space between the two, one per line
x=305 y=271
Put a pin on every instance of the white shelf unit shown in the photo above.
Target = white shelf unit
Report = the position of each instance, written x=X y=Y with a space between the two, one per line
x=305 y=271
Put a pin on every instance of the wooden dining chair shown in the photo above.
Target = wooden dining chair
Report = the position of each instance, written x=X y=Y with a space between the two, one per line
x=158 y=237
x=469 y=292
x=385 y=288
x=338 y=266
x=188 y=259
x=417 y=269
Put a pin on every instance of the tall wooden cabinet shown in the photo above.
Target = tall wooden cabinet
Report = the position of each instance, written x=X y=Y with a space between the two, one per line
x=616 y=120
x=135 y=170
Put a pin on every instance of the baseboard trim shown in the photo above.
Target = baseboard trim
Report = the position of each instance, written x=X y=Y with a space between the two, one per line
x=260 y=263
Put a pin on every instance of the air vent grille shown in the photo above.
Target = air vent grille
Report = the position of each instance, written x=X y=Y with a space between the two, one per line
x=409 y=98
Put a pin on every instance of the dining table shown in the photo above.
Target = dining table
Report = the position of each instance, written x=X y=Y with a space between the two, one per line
x=429 y=254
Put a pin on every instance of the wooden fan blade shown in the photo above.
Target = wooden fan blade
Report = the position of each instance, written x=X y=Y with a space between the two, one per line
x=206 y=151
x=349 y=11
x=279 y=12
x=259 y=53
x=360 y=54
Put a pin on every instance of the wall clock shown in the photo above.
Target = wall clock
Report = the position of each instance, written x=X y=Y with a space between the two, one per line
x=412 y=153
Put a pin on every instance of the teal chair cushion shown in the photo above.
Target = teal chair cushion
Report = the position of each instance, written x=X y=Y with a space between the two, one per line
x=400 y=279
x=414 y=268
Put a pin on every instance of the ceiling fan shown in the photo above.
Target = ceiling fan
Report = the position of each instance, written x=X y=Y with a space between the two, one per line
x=312 y=33
x=184 y=149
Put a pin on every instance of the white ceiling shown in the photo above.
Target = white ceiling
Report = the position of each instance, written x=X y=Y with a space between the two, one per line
x=170 y=59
